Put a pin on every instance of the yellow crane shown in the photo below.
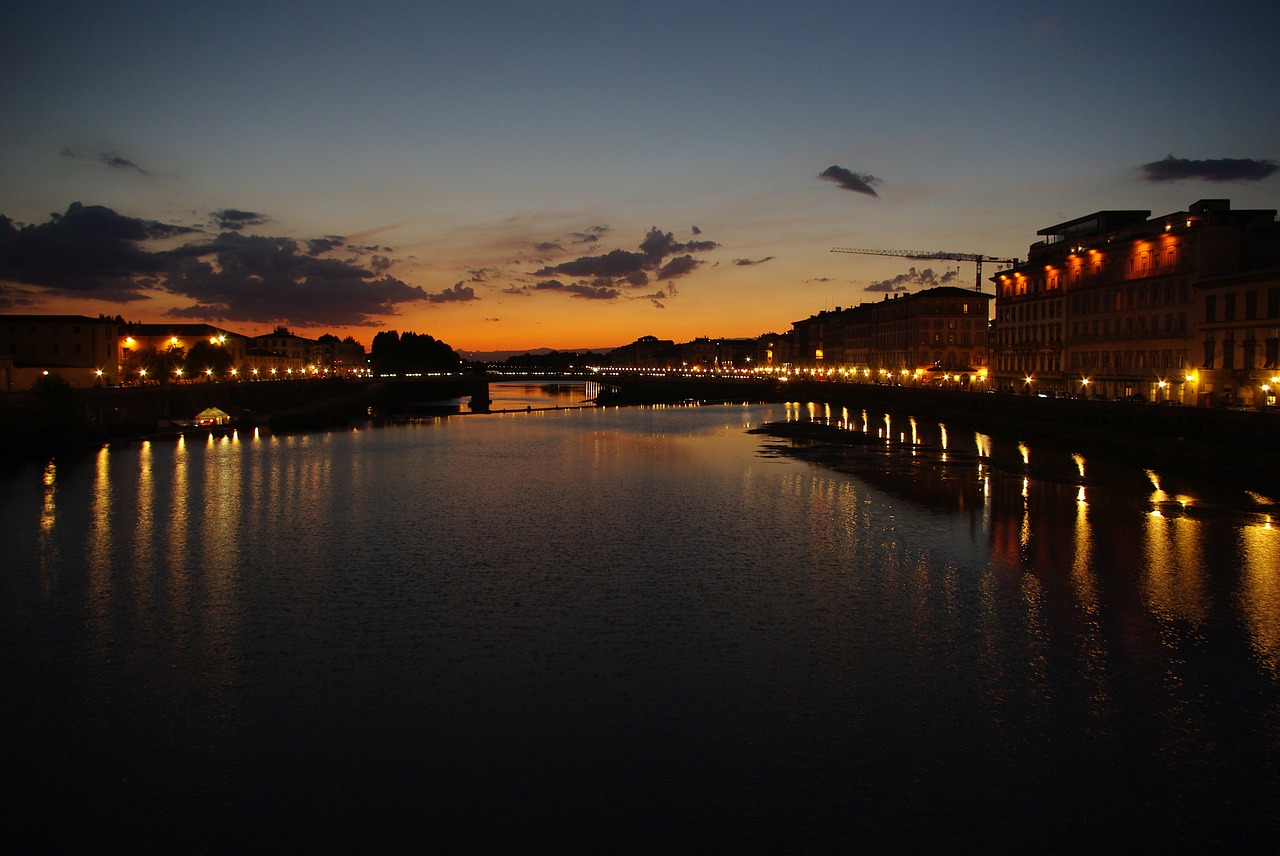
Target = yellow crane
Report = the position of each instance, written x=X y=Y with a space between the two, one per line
x=977 y=258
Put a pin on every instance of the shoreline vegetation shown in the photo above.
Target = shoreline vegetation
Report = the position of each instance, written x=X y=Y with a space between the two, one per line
x=1242 y=447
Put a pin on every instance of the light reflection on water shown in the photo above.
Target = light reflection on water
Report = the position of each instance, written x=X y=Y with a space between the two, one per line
x=558 y=626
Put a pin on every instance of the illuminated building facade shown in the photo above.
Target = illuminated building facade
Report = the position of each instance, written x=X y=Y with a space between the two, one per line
x=138 y=339
x=79 y=349
x=925 y=335
x=1117 y=304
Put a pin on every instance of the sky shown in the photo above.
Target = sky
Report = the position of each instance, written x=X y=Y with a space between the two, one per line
x=573 y=175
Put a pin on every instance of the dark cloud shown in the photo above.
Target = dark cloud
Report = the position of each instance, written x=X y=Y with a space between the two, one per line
x=616 y=263
x=379 y=264
x=850 y=180
x=11 y=298
x=582 y=290
x=592 y=292
x=548 y=247
x=458 y=294
x=320 y=246
x=605 y=276
x=658 y=296
x=697 y=231
x=679 y=266
x=657 y=245
x=89 y=250
x=913 y=279
x=234 y=220
x=748 y=262
x=112 y=160
x=92 y=251
x=482 y=274
x=265 y=279
x=590 y=235
x=1235 y=170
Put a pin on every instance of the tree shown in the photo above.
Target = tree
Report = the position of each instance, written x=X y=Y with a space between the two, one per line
x=159 y=365
x=394 y=353
x=204 y=356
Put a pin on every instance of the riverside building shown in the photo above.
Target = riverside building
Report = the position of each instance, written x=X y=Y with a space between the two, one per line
x=1183 y=308
x=936 y=336
x=79 y=349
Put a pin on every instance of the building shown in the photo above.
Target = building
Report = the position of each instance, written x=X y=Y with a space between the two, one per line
x=647 y=352
x=717 y=354
x=345 y=357
x=1117 y=304
x=139 y=344
x=280 y=353
x=79 y=349
x=921 y=337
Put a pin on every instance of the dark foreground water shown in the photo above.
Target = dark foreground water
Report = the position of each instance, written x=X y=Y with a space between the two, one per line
x=641 y=630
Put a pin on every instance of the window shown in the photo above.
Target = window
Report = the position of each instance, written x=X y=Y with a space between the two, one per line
x=1250 y=305
x=1229 y=354
x=1211 y=308
x=1229 y=307
x=1273 y=302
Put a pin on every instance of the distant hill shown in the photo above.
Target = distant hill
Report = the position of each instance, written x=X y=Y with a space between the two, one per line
x=502 y=356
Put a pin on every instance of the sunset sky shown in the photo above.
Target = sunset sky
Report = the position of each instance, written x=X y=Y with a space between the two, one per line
x=510 y=176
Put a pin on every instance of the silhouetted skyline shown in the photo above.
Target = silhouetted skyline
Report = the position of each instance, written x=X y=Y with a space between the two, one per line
x=506 y=176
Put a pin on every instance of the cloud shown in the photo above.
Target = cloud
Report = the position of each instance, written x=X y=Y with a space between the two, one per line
x=590 y=235
x=615 y=263
x=679 y=266
x=850 y=180
x=584 y=291
x=623 y=264
x=234 y=220
x=112 y=160
x=749 y=262
x=459 y=293
x=95 y=252
x=611 y=274
x=89 y=251
x=320 y=246
x=482 y=274
x=1235 y=170
x=697 y=231
x=268 y=279
x=913 y=278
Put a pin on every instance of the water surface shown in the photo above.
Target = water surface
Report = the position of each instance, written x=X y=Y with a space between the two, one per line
x=631 y=629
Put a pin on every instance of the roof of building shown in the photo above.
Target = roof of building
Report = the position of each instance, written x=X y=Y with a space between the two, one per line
x=179 y=329
x=49 y=319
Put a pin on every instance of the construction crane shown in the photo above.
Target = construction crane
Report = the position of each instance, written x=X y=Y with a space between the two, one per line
x=919 y=254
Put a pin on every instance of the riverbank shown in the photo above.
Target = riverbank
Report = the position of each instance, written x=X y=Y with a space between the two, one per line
x=56 y=420
x=1243 y=446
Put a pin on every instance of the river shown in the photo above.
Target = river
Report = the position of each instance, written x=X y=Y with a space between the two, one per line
x=635 y=629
